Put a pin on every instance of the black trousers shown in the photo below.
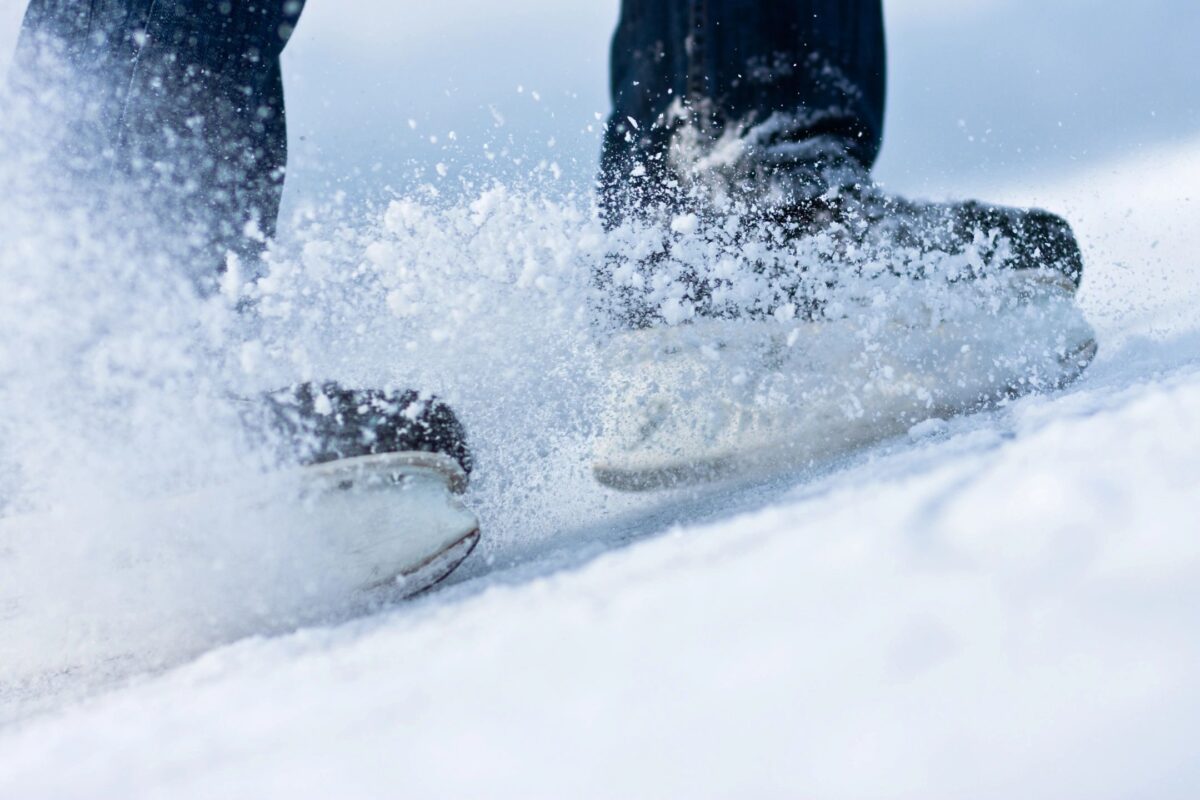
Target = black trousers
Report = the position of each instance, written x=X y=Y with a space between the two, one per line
x=796 y=69
x=194 y=88
x=184 y=98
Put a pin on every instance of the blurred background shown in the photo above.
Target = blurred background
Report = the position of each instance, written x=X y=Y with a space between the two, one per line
x=982 y=92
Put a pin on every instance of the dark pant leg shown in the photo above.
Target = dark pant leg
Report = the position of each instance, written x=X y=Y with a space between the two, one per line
x=796 y=69
x=184 y=98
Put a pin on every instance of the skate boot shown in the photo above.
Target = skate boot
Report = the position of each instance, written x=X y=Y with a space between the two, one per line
x=782 y=315
x=331 y=423
x=384 y=469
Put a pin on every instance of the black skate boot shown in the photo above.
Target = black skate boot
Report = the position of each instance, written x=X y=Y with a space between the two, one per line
x=793 y=233
x=770 y=315
x=862 y=214
x=329 y=422
x=390 y=464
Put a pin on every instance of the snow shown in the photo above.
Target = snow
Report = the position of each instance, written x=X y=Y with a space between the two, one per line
x=1002 y=605
x=871 y=634
x=1005 y=609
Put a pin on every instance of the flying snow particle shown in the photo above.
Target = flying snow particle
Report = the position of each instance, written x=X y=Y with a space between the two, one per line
x=685 y=224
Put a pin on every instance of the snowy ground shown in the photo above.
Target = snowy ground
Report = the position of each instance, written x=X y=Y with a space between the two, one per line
x=1005 y=607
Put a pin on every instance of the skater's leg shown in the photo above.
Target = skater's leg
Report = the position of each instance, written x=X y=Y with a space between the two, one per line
x=183 y=98
x=211 y=71
x=781 y=72
x=770 y=112
x=754 y=123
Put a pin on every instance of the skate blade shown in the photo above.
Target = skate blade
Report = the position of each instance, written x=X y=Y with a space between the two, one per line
x=434 y=570
x=724 y=401
x=670 y=477
x=1076 y=362
x=394 y=519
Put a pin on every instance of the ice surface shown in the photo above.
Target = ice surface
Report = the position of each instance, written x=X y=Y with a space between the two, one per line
x=1006 y=608
x=942 y=618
